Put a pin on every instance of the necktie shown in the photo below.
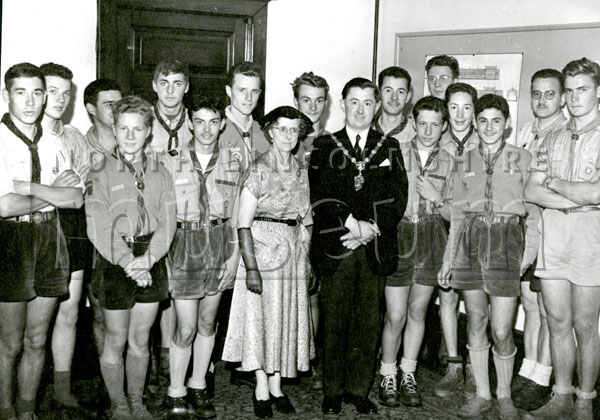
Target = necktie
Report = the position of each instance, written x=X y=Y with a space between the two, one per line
x=36 y=167
x=202 y=177
x=423 y=169
x=139 y=186
x=173 y=133
x=357 y=149
x=489 y=170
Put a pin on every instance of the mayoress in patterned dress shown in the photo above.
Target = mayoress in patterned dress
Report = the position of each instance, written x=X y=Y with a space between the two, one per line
x=269 y=325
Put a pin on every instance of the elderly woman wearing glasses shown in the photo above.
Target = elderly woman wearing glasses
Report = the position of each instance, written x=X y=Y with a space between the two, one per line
x=269 y=325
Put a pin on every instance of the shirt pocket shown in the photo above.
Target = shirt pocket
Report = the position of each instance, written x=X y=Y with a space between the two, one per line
x=186 y=193
x=224 y=195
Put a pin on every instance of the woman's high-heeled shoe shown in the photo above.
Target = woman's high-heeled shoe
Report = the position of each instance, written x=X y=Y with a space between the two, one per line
x=283 y=404
x=262 y=409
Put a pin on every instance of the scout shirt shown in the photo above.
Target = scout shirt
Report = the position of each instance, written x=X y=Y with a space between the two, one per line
x=530 y=138
x=511 y=171
x=111 y=205
x=448 y=143
x=438 y=172
x=404 y=132
x=160 y=137
x=75 y=144
x=245 y=150
x=222 y=186
x=15 y=161
x=95 y=152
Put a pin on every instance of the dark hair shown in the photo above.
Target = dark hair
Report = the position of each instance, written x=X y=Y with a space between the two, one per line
x=53 y=69
x=22 y=70
x=430 y=103
x=395 y=72
x=212 y=103
x=91 y=91
x=444 y=61
x=246 y=68
x=168 y=66
x=309 y=79
x=583 y=66
x=550 y=74
x=133 y=104
x=362 y=83
x=461 y=87
x=490 y=100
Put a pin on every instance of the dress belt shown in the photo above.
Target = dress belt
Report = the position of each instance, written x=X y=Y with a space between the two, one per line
x=195 y=225
x=289 y=222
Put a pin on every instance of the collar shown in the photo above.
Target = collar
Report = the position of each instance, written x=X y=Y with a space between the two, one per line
x=554 y=123
x=167 y=118
x=592 y=125
x=232 y=118
x=60 y=131
x=92 y=137
x=352 y=136
x=396 y=130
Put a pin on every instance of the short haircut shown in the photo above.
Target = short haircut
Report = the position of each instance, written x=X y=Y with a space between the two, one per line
x=168 y=66
x=135 y=105
x=22 y=70
x=212 y=103
x=461 y=87
x=246 y=68
x=490 y=100
x=583 y=66
x=309 y=79
x=550 y=74
x=430 y=103
x=91 y=91
x=53 y=69
x=395 y=72
x=444 y=61
x=361 y=83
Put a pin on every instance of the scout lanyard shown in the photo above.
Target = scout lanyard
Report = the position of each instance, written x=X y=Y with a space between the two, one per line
x=139 y=186
x=489 y=170
x=173 y=133
x=36 y=167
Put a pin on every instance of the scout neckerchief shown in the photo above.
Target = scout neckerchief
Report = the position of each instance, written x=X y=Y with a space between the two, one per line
x=139 y=186
x=488 y=208
x=361 y=165
x=36 y=167
x=423 y=169
x=460 y=144
x=173 y=133
x=396 y=130
x=203 y=205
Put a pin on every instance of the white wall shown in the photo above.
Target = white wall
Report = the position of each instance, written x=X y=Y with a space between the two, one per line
x=443 y=15
x=333 y=38
x=62 y=31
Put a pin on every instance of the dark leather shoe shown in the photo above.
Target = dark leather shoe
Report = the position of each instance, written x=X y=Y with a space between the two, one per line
x=262 y=409
x=331 y=405
x=283 y=404
x=409 y=394
x=388 y=391
x=177 y=408
x=531 y=396
x=363 y=405
x=242 y=378
x=199 y=400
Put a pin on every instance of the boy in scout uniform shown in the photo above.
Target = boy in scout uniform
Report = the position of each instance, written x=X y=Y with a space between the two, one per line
x=58 y=87
x=242 y=136
x=565 y=183
x=421 y=242
x=204 y=255
x=394 y=84
x=36 y=179
x=485 y=250
x=130 y=204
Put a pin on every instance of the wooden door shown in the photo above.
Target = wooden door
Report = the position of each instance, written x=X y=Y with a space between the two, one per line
x=135 y=35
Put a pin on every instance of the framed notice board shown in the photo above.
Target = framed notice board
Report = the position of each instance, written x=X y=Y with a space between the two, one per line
x=550 y=46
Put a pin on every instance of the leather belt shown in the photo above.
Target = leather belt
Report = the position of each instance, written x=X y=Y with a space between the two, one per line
x=140 y=238
x=509 y=218
x=37 y=217
x=416 y=218
x=289 y=222
x=579 y=209
x=198 y=225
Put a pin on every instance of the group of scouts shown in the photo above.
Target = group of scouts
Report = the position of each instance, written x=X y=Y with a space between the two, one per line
x=183 y=203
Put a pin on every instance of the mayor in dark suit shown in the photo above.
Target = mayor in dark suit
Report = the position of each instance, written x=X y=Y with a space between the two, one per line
x=358 y=193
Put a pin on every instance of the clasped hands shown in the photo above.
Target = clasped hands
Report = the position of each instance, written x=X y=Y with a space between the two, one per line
x=360 y=233
x=138 y=270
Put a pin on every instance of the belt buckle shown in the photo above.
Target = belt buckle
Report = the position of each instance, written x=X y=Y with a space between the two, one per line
x=415 y=218
x=299 y=220
x=37 y=217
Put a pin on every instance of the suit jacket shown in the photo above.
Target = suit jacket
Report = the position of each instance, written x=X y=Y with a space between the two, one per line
x=382 y=198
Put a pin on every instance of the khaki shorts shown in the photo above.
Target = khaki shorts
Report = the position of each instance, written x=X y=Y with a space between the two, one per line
x=569 y=247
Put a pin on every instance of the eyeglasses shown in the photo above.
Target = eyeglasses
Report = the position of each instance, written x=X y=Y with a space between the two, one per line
x=549 y=94
x=443 y=78
x=285 y=130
